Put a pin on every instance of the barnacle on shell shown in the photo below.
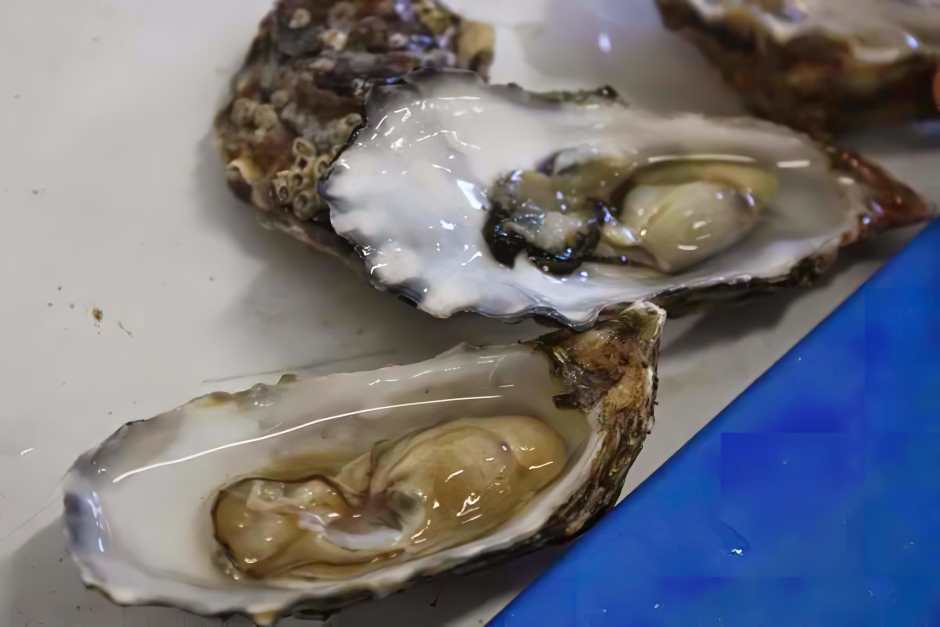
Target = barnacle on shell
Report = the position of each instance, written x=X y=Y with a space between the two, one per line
x=299 y=95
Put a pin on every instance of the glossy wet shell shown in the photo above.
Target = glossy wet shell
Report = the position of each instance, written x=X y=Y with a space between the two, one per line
x=410 y=193
x=300 y=93
x=596 y=388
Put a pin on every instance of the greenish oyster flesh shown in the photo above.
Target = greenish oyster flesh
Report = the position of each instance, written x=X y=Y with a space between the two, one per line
x=669 y=216
x=309 y=495
x=299 y=95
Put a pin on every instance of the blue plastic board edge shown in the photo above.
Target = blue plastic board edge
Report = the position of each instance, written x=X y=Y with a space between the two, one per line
x=812 y=500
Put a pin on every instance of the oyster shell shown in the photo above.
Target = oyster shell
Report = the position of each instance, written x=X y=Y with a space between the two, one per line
x=468 y=197
x=358 y=479
x=300 y=94
x=820 y=65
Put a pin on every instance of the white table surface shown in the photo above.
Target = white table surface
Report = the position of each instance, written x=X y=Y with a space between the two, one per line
x=113 y=197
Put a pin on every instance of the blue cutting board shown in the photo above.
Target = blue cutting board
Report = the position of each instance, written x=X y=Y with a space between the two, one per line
x=812 y=500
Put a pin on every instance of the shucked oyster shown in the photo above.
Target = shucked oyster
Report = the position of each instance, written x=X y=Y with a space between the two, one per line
x=299 y=95
x=669 y=216
x=469 y=197
x=820 y=65
x=312 y=494
x=420 y=494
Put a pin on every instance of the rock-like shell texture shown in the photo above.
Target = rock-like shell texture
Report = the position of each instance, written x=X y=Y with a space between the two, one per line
x=823 y=66
x=300 y=94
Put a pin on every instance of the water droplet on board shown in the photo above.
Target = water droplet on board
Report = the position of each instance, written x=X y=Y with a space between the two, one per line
x=735 y=544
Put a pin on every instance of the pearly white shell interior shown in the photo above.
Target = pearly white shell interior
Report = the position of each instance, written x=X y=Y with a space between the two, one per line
x=139 y=507
x=411 y=193
x=878 y=31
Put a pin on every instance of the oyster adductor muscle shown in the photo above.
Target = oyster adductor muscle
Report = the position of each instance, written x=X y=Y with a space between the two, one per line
x=314 y=493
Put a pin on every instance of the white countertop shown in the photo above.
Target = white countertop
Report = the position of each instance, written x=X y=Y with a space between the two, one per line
x=113 y=198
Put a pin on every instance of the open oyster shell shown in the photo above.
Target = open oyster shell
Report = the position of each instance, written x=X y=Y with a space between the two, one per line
x=416 y=190
x=154 y=515
x=820 y=65
x=300 y=94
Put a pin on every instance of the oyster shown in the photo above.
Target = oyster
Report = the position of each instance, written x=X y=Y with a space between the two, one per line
x=468 y=197
x=300 y=94
x=669 y=216
x=306 y=496
x=820 y=65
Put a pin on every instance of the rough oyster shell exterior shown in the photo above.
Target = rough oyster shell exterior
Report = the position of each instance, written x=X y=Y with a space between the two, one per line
x=823 y=67
x=299 y=95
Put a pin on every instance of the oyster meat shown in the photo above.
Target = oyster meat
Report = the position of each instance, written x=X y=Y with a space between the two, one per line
x=300 y=94
x=820 y=65
x=306 y=496
x=464 y=196
x=669 y=216
x=422 y=493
